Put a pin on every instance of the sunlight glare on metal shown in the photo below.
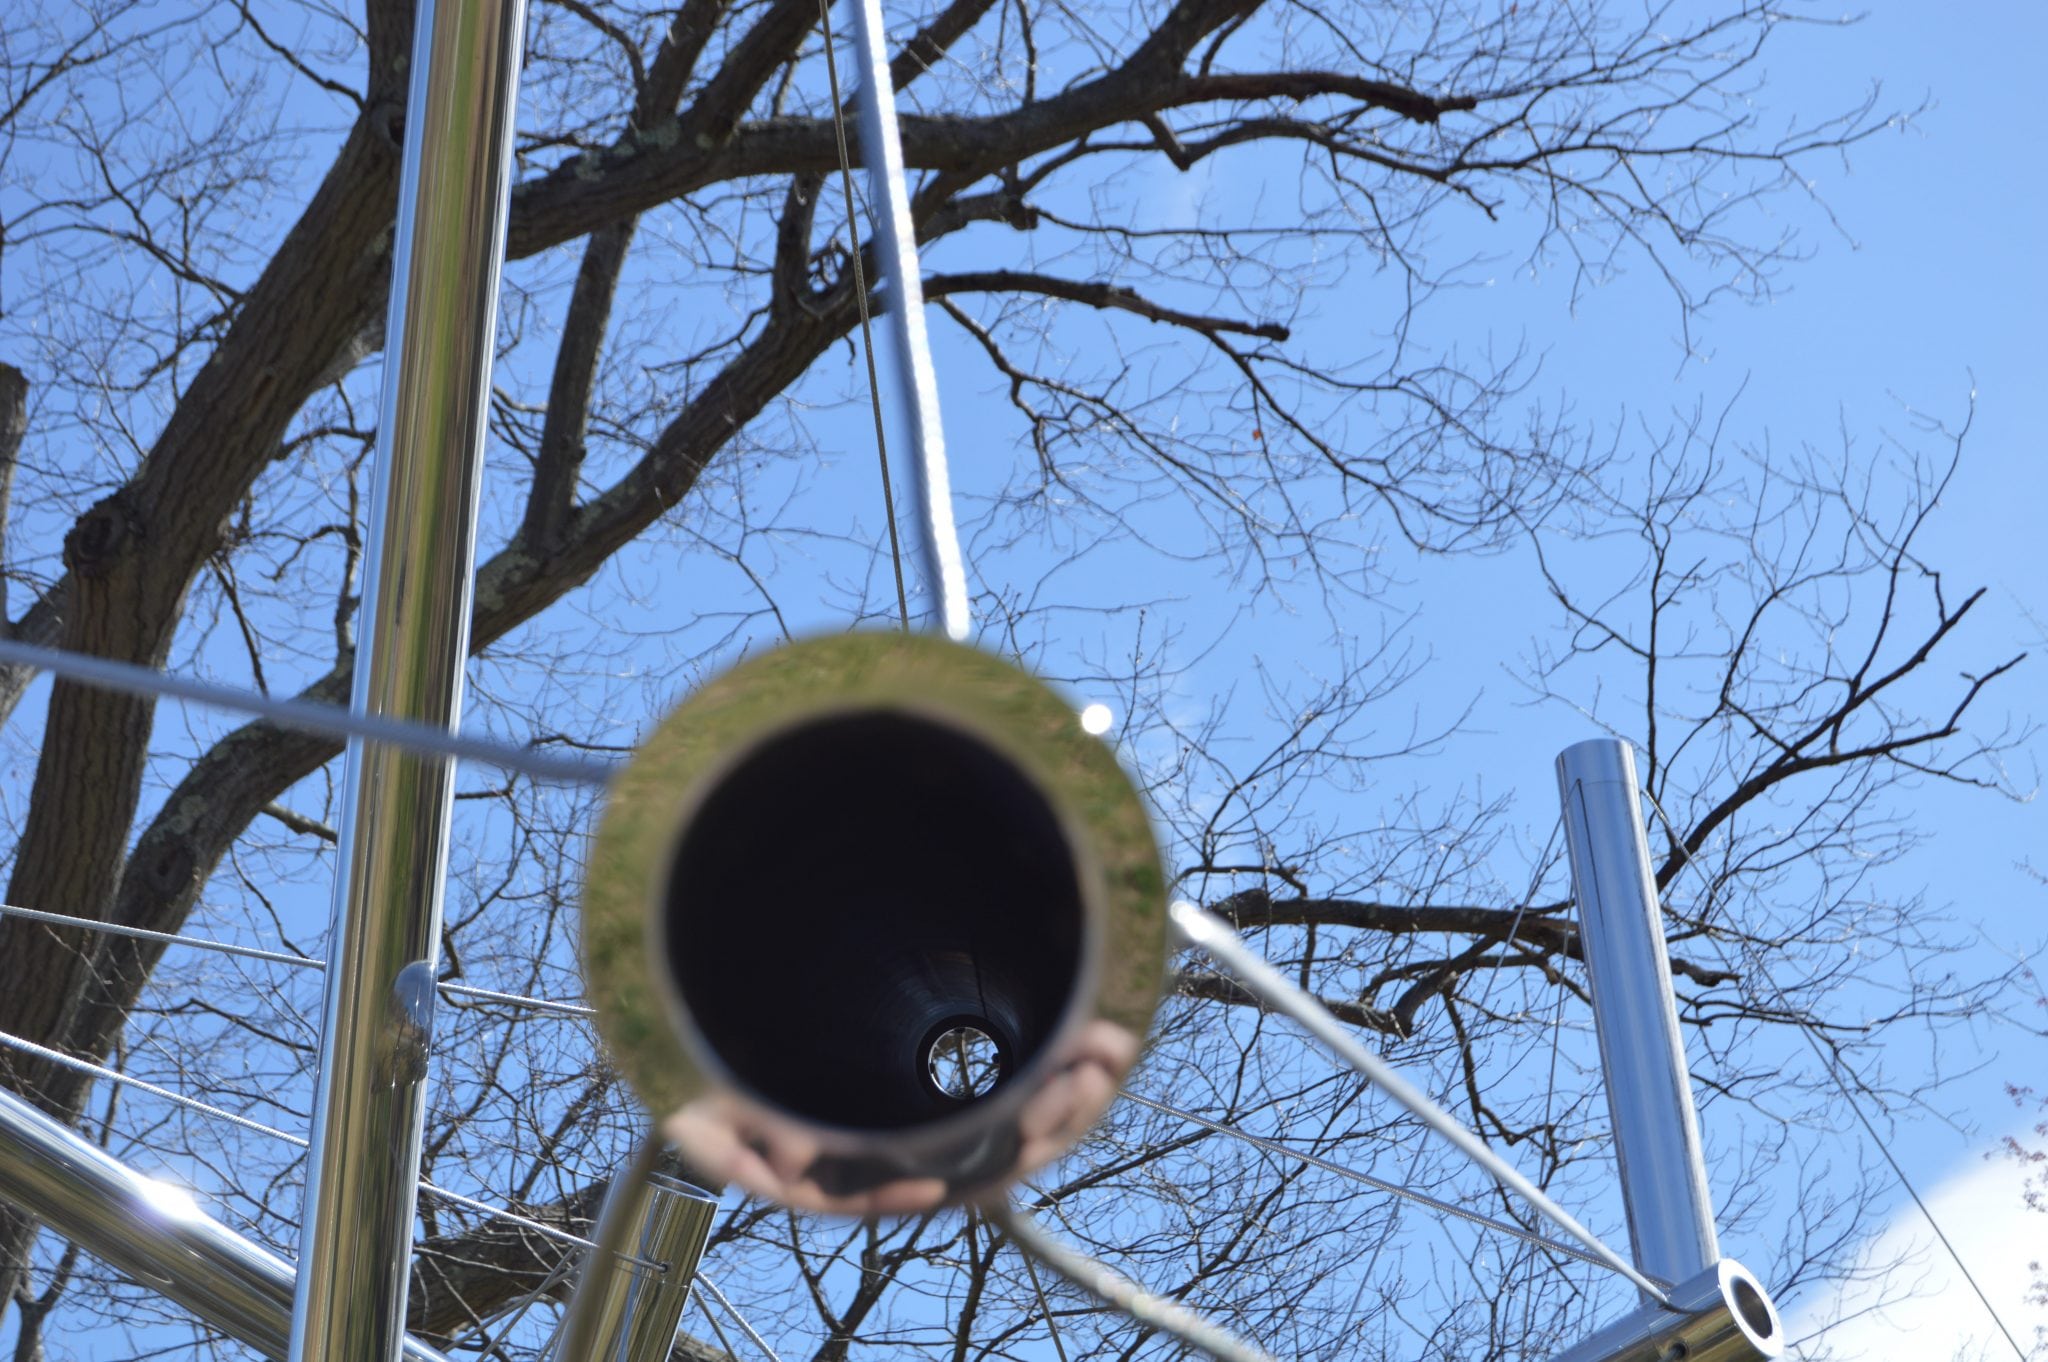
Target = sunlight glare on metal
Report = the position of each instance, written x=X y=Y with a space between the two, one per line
x=106 y=1208
x=101 y=1071
x=168 y=1199
x=1097 y=718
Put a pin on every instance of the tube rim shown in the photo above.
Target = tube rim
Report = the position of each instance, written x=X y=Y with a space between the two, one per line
x=640 y=1013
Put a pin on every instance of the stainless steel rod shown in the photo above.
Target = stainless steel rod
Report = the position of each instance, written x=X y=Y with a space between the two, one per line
x=1437 y=1204
x=486 y=995
x=1212 y=935
x=622 y=1312
x=1720 y=1314
x=369 y=1102
x=940 y=563
x=101 y=1071
x=150 y=1231
x=1119 y=1292
x=307 y=716
x=1642 y=1056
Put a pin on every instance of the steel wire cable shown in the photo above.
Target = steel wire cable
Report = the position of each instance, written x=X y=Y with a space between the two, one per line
x=573 y=1009
x=490 y=995
x=579 y=1010
x=490 y=1340
x=334 y=721
x=308 y=716
x=711 y=1288
x=1449 y=1208
x=1521 y=909
x=442 y=1193
x=86 y=1066
x=1052 y=1324
x=1210 y=934
x=860 y=293
x=710 y=1317
x=1120 y=1293
x=944 y=566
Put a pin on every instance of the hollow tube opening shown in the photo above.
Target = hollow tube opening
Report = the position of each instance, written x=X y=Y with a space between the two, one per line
x=1750 y=1304
x=852 y=889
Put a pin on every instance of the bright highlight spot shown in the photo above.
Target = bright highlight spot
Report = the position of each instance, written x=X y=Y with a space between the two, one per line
x=169 y=1199
x=1096 y=719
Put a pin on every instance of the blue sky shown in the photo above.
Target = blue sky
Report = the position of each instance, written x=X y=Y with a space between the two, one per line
x=1928 y=292
x=1939 y=293
x=1920 y=298
x=1932 y=291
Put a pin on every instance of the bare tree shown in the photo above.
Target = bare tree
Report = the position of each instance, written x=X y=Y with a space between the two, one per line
x=2030 y=1151
x=196 y=214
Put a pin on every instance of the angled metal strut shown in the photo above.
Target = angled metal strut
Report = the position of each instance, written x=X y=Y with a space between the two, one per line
x=150 y=1231
x=1718 y=1312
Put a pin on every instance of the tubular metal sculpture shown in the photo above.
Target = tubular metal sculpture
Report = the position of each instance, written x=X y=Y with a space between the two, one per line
x=962 y=884
x=370 y=1106
x=1717 y=1310
x=629 y=1310
x=967 y=908
x=965 y=902
x=150 y=1231
x=1721 y=1315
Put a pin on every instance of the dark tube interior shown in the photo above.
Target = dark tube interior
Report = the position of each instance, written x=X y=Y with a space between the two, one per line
x=856 y=888
x=1750 y=1302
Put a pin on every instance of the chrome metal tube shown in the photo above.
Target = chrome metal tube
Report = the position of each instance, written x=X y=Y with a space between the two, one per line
x=938 y=540
x=1649 y=1092
x=414 y=637
x=626 y=1310
x=1120 y=1293
x=149 y=1231
x=307 y=716
x=1213 y=936
x=1719 y=1315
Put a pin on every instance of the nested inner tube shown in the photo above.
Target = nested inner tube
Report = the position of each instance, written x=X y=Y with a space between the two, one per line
x=850 y=884
x=1750 y=1302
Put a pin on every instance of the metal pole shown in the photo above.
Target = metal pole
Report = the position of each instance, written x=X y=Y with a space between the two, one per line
x=1214 y=937
x=414 y=636
x=149 y=1231
x=1158 y=1313
x=625 y=1311
x=1721 y=1315
x=1649 y=1092
x=307 y=716
x=941 y=565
